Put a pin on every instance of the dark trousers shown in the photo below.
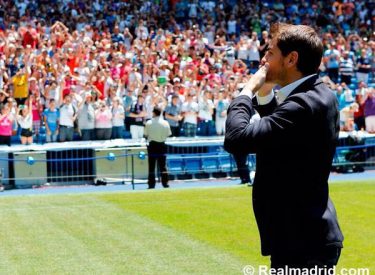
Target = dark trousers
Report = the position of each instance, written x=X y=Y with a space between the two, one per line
x=6 y=140
x=175 y=131
x=347 y=79
x=66 y=133
x=360 y=122
x=325 y=258
x=190 y=129
x=243 y=168
x=333 y=74
x=21 y=101
x=157 y=154
x=88 y=134
x=103 y=133
x=206 y=128
x=117 y=132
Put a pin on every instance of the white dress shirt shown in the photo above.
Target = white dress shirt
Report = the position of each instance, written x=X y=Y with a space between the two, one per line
x=283 y=93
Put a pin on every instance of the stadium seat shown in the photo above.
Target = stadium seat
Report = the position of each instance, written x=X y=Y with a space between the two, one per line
x=175 y=166
x=210 y=164
x=193 y=165
x=226 y=163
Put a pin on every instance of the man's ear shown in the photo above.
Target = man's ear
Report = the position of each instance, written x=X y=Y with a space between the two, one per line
x=292 y=59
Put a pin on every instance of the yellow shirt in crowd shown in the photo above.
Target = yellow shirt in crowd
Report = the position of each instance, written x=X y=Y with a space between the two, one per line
x=20 y=86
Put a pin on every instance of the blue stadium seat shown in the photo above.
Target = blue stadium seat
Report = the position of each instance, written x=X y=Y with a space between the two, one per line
x=226 y=163
x=175 y=165
x=193 y=165
x=210 y=164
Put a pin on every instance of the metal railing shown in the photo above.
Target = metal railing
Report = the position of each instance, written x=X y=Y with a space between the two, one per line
x=129 y=165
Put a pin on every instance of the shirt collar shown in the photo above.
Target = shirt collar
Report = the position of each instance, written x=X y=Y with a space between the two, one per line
x=285 y=91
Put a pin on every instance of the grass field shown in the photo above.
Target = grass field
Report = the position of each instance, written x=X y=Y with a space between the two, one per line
x=191 y=231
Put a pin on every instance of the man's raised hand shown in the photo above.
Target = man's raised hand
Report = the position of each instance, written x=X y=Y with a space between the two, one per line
x=256 y=81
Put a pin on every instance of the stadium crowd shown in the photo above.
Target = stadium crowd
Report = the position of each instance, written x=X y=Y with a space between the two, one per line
x=94 y=70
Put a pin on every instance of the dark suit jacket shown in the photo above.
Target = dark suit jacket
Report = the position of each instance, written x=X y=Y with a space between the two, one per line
x=294 y=143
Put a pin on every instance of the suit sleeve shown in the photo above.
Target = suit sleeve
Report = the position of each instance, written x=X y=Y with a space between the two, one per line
x=243 y=137
x=264 y=110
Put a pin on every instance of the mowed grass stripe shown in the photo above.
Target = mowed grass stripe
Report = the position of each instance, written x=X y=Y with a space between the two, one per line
x=50 y=243
x=206 y=214
x=196 y=231
x=220 y=217
x=355 y=205
x=100 y=238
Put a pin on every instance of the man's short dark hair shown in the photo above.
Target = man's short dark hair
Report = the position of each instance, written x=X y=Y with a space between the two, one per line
x=157 y=111
x=302 y=39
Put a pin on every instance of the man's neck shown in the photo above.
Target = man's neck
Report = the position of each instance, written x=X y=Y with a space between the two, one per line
x=292 y=78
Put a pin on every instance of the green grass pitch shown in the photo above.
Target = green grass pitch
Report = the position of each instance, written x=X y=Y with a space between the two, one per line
x=191 y=231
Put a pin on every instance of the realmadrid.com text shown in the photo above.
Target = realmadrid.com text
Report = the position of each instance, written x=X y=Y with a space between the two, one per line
x=266 y=270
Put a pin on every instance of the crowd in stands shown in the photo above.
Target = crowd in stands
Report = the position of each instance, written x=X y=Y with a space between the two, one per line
x=94 y=70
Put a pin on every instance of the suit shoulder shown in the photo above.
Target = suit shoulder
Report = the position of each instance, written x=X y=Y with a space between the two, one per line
x=321 y=97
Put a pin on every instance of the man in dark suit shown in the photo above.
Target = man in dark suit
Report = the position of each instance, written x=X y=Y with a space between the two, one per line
x=295 y=141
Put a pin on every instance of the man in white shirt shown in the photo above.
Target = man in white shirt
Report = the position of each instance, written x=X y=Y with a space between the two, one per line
x=206 y=110
x=254 y=56
x=68 y=114
x=156 y=131
x=190 y=112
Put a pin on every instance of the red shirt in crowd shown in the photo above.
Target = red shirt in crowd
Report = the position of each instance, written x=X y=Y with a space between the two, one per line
x=29 y=37
x=69 y=82
x=100 y=86
x=36 y=111
x=72 y=63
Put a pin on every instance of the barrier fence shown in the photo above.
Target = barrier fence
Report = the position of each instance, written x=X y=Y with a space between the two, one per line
x=129 y=164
